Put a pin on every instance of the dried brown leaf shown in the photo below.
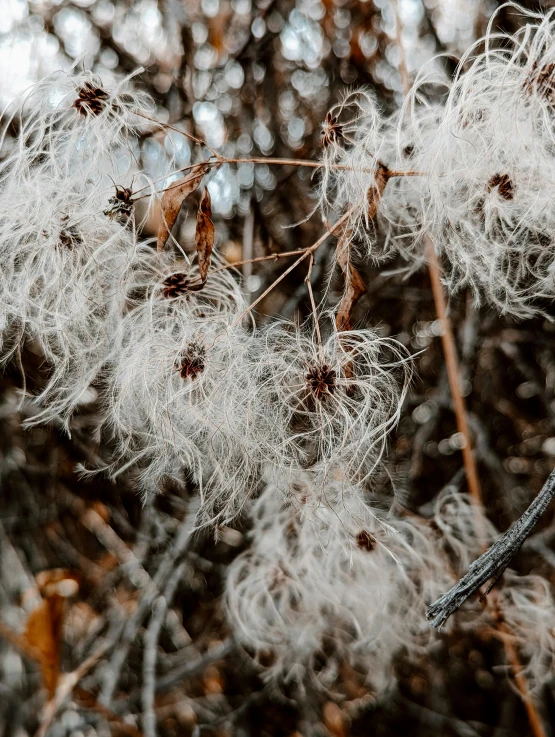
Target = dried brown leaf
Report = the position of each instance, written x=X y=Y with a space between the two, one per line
x=44 y=634
x=204 y=236
x=334 y=720
x=354 y=286
x=173 y=198
x=376 y=191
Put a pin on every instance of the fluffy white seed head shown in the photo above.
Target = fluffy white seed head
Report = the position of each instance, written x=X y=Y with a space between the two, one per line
x=326 y=583
x=73 y=120
x=489 y=207
x=177 y=392
x=353 y=152
x=328 y=404
x=63 y=265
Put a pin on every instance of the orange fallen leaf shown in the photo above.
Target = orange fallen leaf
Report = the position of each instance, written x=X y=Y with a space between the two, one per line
x=43 y=632
x=334 y=720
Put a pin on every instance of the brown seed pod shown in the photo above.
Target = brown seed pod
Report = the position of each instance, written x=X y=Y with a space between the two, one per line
x=192 y=361
x=366 y=541
x=91 y=100
x=321 y=380
x=541 y=81
x=175 y=285
x=69 y=236
x=332 y=130
x=504 y=185
x=120 y=205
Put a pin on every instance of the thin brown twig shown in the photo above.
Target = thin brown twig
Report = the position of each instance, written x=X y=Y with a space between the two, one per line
x=276 y=162
x=306 y=252
x=272 y=286
x=313 y=305
x=516 y=668
x=274 y=256
x=453 y=374
x=190 y=136
x=318 y=165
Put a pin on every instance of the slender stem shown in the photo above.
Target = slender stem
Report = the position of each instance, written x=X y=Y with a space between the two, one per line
x=274 y=256
x=279 y=162
x=450 y=352
x=272 y=285
x=313 y=306
x=317 y=165
x=520 y=679
x=196 y=140
x=306 y=252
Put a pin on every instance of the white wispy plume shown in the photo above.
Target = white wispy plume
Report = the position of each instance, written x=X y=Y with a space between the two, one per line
x=326 y=404
x=330 y=580
x=69 y=240
x=489 y=205
x=355 y=148
x=177 y=386
x=63 y=265
x=409 y=134
x=73 y=120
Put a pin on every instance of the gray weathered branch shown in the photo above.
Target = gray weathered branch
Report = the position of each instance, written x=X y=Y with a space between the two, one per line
x=492 y=563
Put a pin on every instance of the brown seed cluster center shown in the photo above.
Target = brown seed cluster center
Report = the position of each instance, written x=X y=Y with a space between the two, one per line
x=332 y=130
x=321 y=380
x=541 y=81
x=192 y=361
x=505 y=187
x=366 y=541
x=69 y=236
x=91 y=100
x=175 y=285
x=121 y=204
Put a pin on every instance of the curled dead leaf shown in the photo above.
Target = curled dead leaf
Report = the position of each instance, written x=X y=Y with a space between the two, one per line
x=173 y=198
x=354 y=285
x=334 y=720
x=43 y=632
x=375 y=193
x=204 y=236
